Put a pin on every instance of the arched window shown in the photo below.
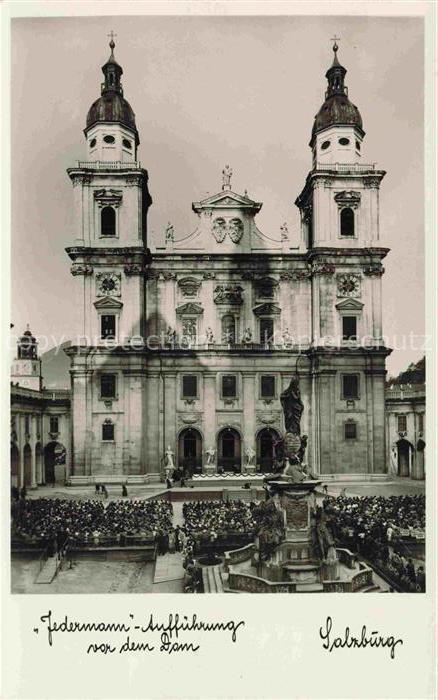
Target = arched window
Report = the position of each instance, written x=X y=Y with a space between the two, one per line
x=347 y=222
x=228 y=329
x=108 y=222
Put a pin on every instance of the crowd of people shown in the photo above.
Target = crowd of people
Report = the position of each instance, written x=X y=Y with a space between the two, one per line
x=219 y=518
x=371 y=526
x=88 y=522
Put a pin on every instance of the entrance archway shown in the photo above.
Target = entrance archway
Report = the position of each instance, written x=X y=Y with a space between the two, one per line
x=54 y=456
x=266 y=439
x=229 y=450
x=190 y=451
x=15 y=466
x=403 y=455
x=27 y=465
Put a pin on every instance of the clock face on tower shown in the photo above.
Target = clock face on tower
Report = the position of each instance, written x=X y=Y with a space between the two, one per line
x=349 y=285
x=108 y=284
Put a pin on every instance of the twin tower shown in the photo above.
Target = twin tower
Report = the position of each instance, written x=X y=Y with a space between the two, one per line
x=188 y=348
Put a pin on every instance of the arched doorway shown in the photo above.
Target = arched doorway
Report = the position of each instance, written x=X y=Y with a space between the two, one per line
x=39 y=463
x=190 y=451
x=27 y=465
x=266 y=439
x=403 y=455
x=15 y=466
x=229 y=450
x=54 y=457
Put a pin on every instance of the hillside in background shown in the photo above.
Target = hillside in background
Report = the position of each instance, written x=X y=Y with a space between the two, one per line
x=56 y=367
x=414 y=374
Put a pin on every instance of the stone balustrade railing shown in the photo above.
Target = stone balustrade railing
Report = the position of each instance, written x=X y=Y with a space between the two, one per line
x=108 y=165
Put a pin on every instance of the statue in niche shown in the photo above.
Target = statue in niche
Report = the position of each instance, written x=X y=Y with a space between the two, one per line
x=170 y=336
x=209 y=336
x=287 y=338
x=169 y=236
x=168 y=458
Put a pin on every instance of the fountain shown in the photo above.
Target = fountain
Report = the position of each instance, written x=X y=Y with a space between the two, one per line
x=294 y=550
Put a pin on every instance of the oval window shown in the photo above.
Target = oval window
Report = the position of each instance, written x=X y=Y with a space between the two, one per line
x=325 y=145
x=344 y=142
x=92 y=143
x=358 y=145
x=126 y=143
x=109 y=139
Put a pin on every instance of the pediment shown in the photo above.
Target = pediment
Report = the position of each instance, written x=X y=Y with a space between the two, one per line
x=190 y=309
x=267 y=309
x=349 y=305
x=108 y=303
x=227 y=200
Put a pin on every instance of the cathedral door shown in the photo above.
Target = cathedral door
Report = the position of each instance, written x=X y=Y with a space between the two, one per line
x=229 y=450
x=190 y=451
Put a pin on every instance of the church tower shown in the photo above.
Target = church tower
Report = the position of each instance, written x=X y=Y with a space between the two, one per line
x=339 y=209
x=109 y=260
x=26 y=367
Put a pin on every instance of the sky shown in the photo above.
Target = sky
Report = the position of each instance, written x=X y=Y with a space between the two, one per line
x=208 y=91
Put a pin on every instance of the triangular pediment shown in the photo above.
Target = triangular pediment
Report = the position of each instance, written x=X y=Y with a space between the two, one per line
x=349 y=305
x=108 y=303
x=267 y=309
x=190 y=308
x=227 y=200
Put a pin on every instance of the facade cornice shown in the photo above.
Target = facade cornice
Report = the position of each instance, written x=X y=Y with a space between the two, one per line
x=375 y=252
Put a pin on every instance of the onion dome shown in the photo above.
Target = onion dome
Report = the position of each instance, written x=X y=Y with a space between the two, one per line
x=337 y=108
x=112 y=106
x=27 y=345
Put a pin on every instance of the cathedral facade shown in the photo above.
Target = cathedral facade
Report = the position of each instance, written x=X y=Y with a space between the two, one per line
x=187 y=347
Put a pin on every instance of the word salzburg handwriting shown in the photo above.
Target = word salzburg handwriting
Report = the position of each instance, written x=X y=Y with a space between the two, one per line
x=371 y=639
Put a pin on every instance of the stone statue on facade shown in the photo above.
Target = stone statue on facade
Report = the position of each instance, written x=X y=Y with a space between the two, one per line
x=226 y=177
x=287 y=338
x=170 y=234
x=170 y=336
x=293 y=407
x=169 y=464
x=247 y=336
x=211 y=452
x=250 y=456
x=284 y=232
x=209 y=336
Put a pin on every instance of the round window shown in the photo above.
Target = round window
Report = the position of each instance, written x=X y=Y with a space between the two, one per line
x=358 y=145
x=109 y=139
x=344 y=142
x=127 y=144
x=325 y=145
x=92 y=143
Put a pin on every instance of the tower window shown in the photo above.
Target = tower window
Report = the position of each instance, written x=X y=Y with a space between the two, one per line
x=344 y=141
x=229 y=386
x=228 y=329
x=108 y=431
x=267 y=386
x=347 y=222
x=350 y=386
x=402 y=424
x=127 y=144
x=325 y=145
x=92 y=143
x=108 y=222
x=108 y=326
x=109 y=139
x=108 y=386
x=358 y=145
x=349 y=328
x=190 y=386
x=350 y=430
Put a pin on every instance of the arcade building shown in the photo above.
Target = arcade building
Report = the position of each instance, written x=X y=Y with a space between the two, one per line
x=188 y=344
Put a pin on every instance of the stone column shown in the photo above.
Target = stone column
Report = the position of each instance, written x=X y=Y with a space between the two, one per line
x=249 y=422
x=209 y=414
x=33 y=441
x=20 y=445
x=170 y=429
x=151 y=428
